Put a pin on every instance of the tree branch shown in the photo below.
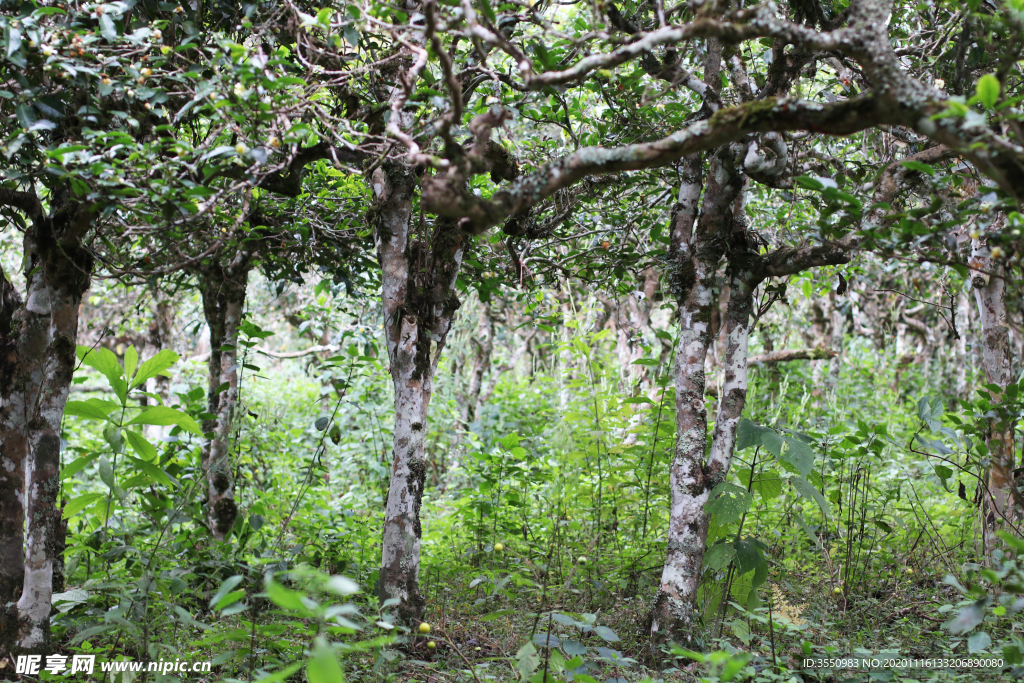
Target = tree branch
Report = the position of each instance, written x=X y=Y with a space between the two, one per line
x=727 y=125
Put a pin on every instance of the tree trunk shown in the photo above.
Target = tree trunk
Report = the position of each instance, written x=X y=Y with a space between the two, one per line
x=38 y=341
x=990 y=294
x=696 y=255
x=158 y=339
x=418 y=291
x=483 y=345
x=223 y=290
x=13 y=452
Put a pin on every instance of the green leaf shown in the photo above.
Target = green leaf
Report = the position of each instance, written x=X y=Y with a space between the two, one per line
x=719 y=556
x=141 y=445
x=497 y=615
x=107 y=27
x=805 y=489
x=72 y=469
x=131 y=361
x=91 y=409
x=163 y=415
x=799 y=457
x=978 y=642
x=285 y=597
x=767 y=484
x=606 y=634
x=154 y=366
x=749 y=434
x=728 y=503
x=76 y=505
x=282 y=675
x=107 y=472
x=918 y=166
x=341 y=585
x=527 y=660
x=225 y=588
x=105 y=361
x=323 y=667
x=152 y=471
x=773 y=442
x=968 y=618
x=987 y=90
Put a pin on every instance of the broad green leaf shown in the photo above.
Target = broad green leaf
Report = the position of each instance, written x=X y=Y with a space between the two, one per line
x=154 y=366
x=968 y=617
x=141 y=445
x=131 y=361
x=767 y=484
x=606 y=634
x=919 y=166
x=164 y=415
x=107 y=472
x=323 y=667
x=73 y=468
x=90 y=409
x=497 y=615
x=798 y=457
x=285 y=597
x=748 y=554
x=773 y=442
x=978 y=642
x=152 y=471
x=719 y=556
x=225 y=588
x=805 y=489
x=527 y=660
x=728 y=503
x=341 y=585
x=749 y=434
x=76 y=505
x=987 y=90
x=105 y=361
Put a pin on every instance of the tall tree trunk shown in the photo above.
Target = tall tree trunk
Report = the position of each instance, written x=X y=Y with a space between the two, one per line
x=223 y=291
x=696 y=254
x=418 y=291
x=13 y=452
x=38 y=340
x=990 y=294
x=483 y=345
x=158 y=338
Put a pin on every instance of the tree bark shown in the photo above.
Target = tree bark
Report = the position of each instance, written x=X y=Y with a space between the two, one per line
x=418 y=291
x=223 y=291
x=38 y=341
x=158 y=339
x=990 y=294
x=696 y=255
x=483 y=345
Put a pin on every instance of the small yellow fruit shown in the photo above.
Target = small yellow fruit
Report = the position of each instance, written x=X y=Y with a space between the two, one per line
x=909 y=570
x=106 y=81
x=499 y=547
x=997 y=252
x=431 y=645
x=424 y=627
x=274 y=142
x=240 y=148
x=477 y=649
x=837 y=590
x=581 y=560
x=147 y=72
x=606 y=244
